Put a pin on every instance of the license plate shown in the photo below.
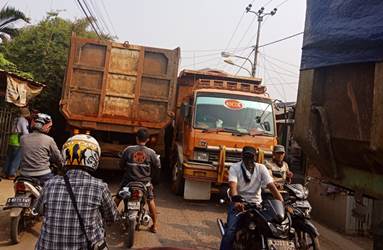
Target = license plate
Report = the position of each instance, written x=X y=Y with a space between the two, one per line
x=280 y=244
x=302 y=204
x=133 y=205
x=18 y=202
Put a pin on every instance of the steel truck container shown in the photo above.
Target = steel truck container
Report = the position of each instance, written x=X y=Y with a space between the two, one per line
x=112 y=89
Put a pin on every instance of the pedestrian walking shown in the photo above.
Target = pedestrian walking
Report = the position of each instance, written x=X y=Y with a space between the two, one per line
x=20 y=127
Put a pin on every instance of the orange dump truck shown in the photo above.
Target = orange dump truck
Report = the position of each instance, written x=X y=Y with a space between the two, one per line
x=112 y=89
x=217 y=114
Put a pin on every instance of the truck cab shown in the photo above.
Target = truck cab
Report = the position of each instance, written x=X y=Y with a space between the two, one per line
x=217 y=115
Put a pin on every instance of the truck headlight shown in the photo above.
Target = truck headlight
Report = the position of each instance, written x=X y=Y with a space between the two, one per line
x=201 y=156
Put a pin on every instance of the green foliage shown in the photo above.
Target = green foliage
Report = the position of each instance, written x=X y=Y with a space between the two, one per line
x=11 y=67
x=42 y=49
x=8 y=16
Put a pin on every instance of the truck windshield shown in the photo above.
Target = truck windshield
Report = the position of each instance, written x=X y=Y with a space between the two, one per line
x=243 y=114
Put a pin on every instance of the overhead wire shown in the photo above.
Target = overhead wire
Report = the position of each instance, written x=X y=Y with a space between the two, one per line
x=281 y=61
x=282 y=39
x=93 y=17
x=281 y=79
x=269 y=77
x=108 y=17
x=99 y=16
x=88 y=18
x=279 y=67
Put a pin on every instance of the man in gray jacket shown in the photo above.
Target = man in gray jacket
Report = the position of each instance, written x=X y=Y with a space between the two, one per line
x=39 y=150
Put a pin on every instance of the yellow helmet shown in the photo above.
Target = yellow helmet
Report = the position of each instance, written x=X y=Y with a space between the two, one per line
x=81 y=151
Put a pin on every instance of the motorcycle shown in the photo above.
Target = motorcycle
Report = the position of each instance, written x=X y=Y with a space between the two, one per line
x=134 y=214
x=263 y=227
x=27 y=191
x=300 y=208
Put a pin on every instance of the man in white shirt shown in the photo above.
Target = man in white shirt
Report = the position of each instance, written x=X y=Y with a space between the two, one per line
x=246 y=178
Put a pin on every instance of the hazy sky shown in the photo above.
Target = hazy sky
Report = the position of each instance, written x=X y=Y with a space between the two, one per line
x=202 y=29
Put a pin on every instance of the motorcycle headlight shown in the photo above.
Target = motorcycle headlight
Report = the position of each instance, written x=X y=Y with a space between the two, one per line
x=201 y=156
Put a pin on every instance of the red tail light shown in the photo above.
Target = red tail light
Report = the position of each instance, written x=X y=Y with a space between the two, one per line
x=136 y=194
x=20 y=187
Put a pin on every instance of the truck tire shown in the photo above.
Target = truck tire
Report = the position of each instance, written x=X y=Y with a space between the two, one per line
x=178 y=181
x=17 y=228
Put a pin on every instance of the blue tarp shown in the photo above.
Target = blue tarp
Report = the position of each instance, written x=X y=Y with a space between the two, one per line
x=342 y=31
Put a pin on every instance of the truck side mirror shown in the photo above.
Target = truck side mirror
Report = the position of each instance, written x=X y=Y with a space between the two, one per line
x=185 y=109
x=267 y=126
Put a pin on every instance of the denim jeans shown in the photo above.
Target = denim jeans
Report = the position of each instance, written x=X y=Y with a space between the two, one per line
x=232 y=224
x=44 y=178
x=13 y=160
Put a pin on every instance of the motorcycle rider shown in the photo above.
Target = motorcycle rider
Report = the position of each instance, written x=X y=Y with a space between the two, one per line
x=39 y=150
x=278 y=168
x=61 y=227
x=139 y=163
x=246 y=178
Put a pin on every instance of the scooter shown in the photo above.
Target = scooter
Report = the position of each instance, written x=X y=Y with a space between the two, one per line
x=134 y=214
x=27 y=191
x=266 y=227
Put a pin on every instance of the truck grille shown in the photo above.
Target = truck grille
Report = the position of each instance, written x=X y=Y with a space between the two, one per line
x=230 y=157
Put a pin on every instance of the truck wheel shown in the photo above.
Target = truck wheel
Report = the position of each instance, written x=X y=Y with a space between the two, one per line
x=177 y=180
x=17 y=228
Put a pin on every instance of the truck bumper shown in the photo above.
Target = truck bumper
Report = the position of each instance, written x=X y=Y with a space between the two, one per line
x=202 y=172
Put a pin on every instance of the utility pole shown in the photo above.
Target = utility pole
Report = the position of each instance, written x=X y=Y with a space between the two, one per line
x=260 y=14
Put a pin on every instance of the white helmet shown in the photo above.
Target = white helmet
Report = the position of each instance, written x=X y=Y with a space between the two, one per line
x=42 y=122
x=81 y=151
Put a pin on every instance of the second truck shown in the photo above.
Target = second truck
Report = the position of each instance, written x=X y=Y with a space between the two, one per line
x=198 y=122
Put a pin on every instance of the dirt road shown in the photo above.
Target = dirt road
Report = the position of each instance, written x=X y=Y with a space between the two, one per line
x=182 y=224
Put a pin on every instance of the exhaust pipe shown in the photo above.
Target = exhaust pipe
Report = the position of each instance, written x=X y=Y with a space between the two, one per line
x=221 y=227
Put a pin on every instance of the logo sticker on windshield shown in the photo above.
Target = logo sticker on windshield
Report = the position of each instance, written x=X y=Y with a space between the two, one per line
x=233 y=104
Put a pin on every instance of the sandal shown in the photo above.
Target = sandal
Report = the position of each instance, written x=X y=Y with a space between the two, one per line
x=153 y=229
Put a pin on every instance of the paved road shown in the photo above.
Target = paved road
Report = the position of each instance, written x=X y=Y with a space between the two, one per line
x=182 y=224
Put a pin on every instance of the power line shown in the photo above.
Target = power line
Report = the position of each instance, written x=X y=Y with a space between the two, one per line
x=280 y=40
x=281 y=61
x=88 y=18
x=244 y=61
x=282 y=3
x=93 y=16
x=108 y=17
x=292 y=72
x=101 y=19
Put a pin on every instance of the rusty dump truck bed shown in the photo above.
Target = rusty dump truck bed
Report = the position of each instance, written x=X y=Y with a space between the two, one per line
x=118 y=87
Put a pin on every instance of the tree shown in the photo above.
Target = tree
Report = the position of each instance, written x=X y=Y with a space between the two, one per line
x=8 y=16
x=42 y=49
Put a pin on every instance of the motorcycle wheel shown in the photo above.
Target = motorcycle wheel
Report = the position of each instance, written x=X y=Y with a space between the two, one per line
x=17 y=228
x=131 y=230
x=308 y=241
